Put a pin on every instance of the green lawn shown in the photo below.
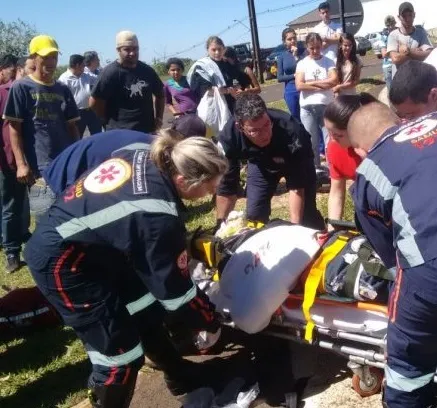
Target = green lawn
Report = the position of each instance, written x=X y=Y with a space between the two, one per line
x=49 y=369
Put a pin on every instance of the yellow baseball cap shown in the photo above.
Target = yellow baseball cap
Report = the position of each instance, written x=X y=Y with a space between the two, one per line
x=43 y=45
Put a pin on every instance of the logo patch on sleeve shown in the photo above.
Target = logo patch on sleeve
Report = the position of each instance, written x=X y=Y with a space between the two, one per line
x=425 y=128
x=139 y=180
x=109 y=176
x=182 y=263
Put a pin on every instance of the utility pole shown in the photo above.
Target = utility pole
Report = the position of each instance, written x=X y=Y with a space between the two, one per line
x=342 y=19
x=255 y=40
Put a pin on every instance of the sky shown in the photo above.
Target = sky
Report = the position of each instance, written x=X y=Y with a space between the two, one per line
x=164 y=28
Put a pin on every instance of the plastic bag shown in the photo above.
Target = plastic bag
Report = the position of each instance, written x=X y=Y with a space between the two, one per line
x=205 y=340
x=230 y=397
x=214 y=111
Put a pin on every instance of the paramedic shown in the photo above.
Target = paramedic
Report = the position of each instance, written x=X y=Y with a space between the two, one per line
x=413 y=92
x=394 y=188
x=111 y=257
x=275 y=145
x=91 y=151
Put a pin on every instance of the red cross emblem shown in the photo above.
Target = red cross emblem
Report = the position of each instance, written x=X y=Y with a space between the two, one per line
x=416 y=129
x=107 y=174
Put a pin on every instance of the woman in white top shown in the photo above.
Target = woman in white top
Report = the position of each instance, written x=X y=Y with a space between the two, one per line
x=316 y=75
x=348 y=66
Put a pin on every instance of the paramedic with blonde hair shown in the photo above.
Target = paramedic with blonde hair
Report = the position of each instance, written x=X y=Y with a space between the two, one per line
x=111 y=256
x=394 y=190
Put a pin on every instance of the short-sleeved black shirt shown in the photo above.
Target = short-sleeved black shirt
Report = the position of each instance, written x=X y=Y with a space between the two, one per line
x=288 y=155
x=128 y=94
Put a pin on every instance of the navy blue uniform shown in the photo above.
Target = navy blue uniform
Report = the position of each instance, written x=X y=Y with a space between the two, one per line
x=288 y=155
x=395 y=202
x=115 y=232
x=88 y=153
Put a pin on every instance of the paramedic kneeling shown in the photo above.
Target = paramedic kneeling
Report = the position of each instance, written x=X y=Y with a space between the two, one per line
x=111 y=255
x=275 y=145
x=395 y=187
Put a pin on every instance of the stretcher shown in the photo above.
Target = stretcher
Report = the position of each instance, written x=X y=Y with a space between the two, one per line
x=353 y=329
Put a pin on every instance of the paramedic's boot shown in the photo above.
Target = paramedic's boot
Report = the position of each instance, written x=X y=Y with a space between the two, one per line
x=113 y=396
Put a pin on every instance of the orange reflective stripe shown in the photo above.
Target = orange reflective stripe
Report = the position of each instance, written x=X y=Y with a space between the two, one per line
x=394 y=306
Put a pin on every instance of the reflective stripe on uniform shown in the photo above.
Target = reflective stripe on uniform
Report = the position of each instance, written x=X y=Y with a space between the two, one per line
x=133 y=146
x=97 y=358
x=140 y=304
x=174 y=304
x=114 y=213
x=23 y=316
x=406 y=242
x=401 y=383
x=377 y=179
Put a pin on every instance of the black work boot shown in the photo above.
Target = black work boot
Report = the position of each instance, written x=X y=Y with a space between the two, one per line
x=113 y=396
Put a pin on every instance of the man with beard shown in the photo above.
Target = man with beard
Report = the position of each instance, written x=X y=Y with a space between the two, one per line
x=123 y=95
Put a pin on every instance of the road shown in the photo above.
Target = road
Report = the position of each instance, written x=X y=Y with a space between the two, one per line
x=272 y=93
x=372 y=67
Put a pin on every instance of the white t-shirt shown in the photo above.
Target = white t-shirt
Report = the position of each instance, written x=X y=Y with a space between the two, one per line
x=329 y=30
x=80 y=87
x=432 y=58
x=315 y=70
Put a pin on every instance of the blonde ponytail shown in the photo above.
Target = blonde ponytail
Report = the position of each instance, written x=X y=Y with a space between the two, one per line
x=197 y=159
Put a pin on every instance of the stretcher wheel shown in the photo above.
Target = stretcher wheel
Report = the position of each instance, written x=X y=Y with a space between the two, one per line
x=367 y=390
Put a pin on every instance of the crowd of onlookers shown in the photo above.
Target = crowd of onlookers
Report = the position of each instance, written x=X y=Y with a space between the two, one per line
x=42 y=116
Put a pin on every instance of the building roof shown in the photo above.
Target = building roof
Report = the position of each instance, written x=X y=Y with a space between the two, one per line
x=307 y=19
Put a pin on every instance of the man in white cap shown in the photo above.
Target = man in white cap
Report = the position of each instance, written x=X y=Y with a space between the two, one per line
x=123 y=95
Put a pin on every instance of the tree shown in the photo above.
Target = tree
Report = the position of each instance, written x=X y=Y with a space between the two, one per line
x=161 y=70
x=15 y=37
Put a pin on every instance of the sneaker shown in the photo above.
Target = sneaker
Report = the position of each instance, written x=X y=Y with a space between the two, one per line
x=12 y=263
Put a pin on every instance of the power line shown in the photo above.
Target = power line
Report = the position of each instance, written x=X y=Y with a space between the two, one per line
x=239 y=21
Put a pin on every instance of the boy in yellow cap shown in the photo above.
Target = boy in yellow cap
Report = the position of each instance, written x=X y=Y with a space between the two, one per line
x=42 y=117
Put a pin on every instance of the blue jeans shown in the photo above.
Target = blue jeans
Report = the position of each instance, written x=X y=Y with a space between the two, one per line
x=387 y=70
x=312 y=119
x=14 y=215
x=291 y=96
x=88 y=119
x=41 y=198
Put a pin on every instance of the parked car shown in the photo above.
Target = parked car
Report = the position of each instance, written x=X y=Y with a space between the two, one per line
x=363 y=45
x=273 y=56
x=374 y=37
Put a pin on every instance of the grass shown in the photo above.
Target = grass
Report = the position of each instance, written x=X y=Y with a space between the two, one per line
x=50 y=368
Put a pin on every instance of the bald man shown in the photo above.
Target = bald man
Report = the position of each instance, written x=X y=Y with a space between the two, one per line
x=395 y=192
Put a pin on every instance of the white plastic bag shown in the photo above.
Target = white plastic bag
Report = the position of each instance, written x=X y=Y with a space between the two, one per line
x=230 y=397
x=214 y=111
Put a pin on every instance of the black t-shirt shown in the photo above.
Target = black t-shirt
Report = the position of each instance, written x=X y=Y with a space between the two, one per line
x=288 y=155
x=128 y=94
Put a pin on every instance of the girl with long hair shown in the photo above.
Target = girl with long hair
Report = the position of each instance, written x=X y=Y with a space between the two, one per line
x=287 y=63
x=315 y=77
x=348 y=66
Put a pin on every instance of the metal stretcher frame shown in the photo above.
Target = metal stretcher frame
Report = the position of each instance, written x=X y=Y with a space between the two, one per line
x=362 y=351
